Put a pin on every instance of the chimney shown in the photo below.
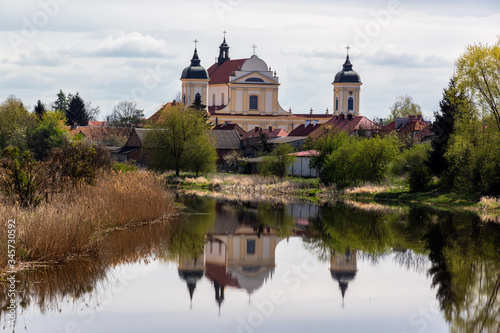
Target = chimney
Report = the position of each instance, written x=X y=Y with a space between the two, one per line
x=342 y=116
x=349 y=117
x=270 y=128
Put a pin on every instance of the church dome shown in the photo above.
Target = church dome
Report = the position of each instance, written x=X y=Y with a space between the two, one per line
x=195 y=70
x=254 y=64
x=347 y=75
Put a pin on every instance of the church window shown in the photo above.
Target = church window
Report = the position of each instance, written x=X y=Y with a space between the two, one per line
x=251 y=246
x=254 y=79
x=222 y=99
x=350 y=104
x=336 y=104
x=254 y=102
x=213 y=99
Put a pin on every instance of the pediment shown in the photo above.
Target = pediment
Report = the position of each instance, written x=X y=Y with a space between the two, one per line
x=254 y=78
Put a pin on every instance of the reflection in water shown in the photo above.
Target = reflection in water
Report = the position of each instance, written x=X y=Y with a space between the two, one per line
x=233 y=247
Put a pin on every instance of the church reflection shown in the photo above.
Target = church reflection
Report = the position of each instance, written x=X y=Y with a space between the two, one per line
x=240 y=252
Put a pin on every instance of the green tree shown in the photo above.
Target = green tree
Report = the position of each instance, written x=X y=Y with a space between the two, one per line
x=326 y=144
x=48 y=134
x=402 y=107
x=478 y=72
x=61 y=103
x=413 y=164
x=373 y=157
x=282 y=160
x=39 y=110
x=79 y=113
x=202 y=156
x=451 y=106
x=22 y=177
x=174 y=136
x=15 y=122
x=126 y=115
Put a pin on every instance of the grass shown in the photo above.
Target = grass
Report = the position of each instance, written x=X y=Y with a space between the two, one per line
x=75 y=223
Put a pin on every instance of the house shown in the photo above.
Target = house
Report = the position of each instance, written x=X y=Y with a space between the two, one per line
x=226 y=142
x=413 y=127
x=252 y=139
x=134 y=149
x=300 y=167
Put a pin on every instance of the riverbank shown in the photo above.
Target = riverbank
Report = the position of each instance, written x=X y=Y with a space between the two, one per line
x=77 y=222
x=270 y=188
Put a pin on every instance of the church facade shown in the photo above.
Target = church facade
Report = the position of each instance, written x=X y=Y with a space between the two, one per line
x=245 y=92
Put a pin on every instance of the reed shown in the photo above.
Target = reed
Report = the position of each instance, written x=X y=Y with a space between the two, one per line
x=76 y=221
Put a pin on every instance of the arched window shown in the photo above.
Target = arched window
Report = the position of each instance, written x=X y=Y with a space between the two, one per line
x=350 y=104
x=213 y=99
x=336 y=104
x=222 y=102
x=254 y=102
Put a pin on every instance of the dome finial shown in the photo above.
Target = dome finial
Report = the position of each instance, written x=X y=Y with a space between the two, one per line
x=195 y=41
x=348 y=48
x=254 y=47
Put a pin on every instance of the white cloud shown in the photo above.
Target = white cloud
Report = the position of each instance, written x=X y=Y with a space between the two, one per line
x=129 y=45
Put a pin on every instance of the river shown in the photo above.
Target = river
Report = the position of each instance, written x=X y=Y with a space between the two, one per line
x=276 y=267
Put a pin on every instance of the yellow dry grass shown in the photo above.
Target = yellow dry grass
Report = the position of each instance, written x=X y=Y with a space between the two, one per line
x=74 y=222
x=366 y=189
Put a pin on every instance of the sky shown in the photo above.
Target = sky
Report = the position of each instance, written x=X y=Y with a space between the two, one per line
x=115 y=50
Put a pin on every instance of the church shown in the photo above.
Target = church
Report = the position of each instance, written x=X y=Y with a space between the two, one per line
x=245 y=92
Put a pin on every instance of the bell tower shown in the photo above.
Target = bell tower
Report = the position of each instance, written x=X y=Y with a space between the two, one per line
x=195 y=80
x=346 y=90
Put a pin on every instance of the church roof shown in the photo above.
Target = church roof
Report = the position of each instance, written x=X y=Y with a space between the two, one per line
x=221 y=73
x=347 y=75
x=195 y=70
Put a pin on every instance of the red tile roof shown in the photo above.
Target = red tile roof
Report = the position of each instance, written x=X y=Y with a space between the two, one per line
x=220 y=74
x=303 y=130
x=95 y=123
x=346 y=124
x=307 y=153
x=268 y=132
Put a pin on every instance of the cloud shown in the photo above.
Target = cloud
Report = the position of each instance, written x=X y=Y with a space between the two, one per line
x=42 y=55
x=385 y=57
x=131 y=45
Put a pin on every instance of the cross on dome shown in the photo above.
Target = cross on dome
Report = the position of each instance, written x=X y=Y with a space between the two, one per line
x=195 y=43
x=254 y=47
x=348 y=48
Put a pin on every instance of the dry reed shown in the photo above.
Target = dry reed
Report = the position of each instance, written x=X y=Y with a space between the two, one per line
x=75 y=222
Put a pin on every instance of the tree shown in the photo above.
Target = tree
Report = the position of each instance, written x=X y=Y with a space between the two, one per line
x=61 y=103
x=412 y=163
x=202 y=154
x=15 y=122
x=478 y=72
x=402 y=107
x=452 y=105
x=49 y=133
x=175 y=136
x=126 y=115
x=77 y=113
x=22 y=178
x=282 y=160
x=39 y=110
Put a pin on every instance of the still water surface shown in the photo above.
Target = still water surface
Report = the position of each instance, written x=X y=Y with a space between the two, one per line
x=248 y=267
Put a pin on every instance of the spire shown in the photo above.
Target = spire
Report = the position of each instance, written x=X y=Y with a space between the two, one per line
x=343 y=288
x=347 y=64
x=195 y=61
x=223 y=51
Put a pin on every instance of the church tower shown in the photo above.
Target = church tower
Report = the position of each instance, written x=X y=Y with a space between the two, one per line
x=346 y=89
x=223 y=52
x=194 y=82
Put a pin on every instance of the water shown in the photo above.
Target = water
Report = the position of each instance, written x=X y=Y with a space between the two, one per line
x=248 y=267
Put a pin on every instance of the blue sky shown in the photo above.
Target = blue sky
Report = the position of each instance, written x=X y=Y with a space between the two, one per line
x=114 y=50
